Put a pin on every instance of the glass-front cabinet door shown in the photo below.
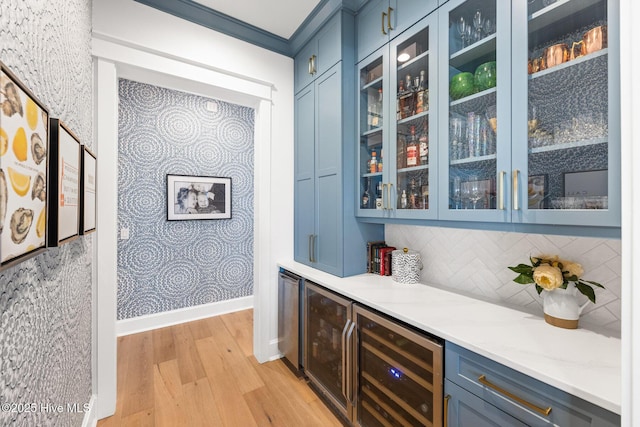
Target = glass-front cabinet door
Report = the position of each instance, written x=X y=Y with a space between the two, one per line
x=566 y=112
x=398 y=126
x=475 y=156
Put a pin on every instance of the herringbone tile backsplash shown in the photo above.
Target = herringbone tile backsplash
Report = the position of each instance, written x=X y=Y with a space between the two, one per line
x=475 y=262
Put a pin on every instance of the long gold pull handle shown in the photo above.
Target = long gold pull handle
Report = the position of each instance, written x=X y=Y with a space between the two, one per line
x=384 y=204
x=389 y=18
x=445 y=420
x=313 y=248
x=516 y=201
x=310 y=66
x=389 y=195
x=382 y=26
x=542 y=411
x=501 y=190
x=313 y=64
x=310 y=247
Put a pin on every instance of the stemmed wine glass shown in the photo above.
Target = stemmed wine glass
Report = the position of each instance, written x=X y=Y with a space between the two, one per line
x=475 y=192
x=478 y=24
x=463 y=28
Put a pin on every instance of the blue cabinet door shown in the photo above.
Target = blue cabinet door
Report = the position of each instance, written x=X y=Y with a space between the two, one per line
x=372 y=27
x=464 y=409
x=328 y=170
x=408 y=12
x=304 y=174
x=303 y=65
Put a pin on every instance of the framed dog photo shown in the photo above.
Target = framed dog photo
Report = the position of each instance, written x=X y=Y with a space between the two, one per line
x=198 y=197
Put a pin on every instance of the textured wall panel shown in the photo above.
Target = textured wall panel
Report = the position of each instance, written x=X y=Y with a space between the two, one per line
x=167 y=265
x=45 y=302
x=475 y=262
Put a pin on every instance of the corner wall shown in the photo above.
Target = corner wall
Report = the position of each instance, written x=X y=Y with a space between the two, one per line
x=45 y=302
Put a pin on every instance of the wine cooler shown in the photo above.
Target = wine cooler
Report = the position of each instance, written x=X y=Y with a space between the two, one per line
x=375 y=371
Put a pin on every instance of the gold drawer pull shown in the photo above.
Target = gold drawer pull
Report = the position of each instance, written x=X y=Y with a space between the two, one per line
x=543 y=411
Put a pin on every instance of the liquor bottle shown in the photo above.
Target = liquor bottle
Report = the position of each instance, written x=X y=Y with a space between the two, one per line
x=406 y=99
x=423 y=141
x=401 y=153
x=380 y=160
x=414 y=95
x=403 y=200
x=377 y=116
x=373 y=164
x=379 y=196
x=401 y=92
x=412 y=149
x=414 y=197
x=365 y=196
x=421 y=106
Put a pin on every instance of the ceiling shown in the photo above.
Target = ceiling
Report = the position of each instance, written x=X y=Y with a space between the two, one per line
x=280 y=17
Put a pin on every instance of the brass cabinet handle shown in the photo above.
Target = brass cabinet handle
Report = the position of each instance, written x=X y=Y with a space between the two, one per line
x=384 y=204
x=310 y=248
x=542 y=411
x=309 y=66
x=389 y=193
x=313 y=64
x=516 y=203
x=501 y=190
x=382 y=26
x=389 y=10
x=445 y=418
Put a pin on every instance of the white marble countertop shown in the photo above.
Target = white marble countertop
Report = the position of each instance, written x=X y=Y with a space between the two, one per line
x=581 y=362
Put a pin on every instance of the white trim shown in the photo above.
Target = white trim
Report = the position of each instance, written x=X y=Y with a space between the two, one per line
x=187 y=314
x=91 y=416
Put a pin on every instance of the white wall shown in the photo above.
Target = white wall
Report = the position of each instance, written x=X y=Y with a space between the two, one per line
x=142 y=42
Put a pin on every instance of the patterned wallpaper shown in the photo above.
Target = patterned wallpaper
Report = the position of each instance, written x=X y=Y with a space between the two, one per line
x=167 y=265
x=45 y=302
x=475 y=262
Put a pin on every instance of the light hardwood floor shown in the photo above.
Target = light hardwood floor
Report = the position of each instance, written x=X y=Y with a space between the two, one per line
x=203 y=373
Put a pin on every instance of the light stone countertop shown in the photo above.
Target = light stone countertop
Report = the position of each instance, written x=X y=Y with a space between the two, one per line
x=580 y=362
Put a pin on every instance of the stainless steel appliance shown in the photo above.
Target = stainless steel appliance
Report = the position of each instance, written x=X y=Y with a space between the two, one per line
x=289 y=318
x=374 y=370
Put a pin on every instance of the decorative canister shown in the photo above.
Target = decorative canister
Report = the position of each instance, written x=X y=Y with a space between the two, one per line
x=406 y=266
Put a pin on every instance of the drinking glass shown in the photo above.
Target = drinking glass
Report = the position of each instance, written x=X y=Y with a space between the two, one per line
x=475 y=191
x=462 y=30
x=478 y=24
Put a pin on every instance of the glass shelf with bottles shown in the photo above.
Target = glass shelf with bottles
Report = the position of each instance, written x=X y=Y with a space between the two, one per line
x=371 y=97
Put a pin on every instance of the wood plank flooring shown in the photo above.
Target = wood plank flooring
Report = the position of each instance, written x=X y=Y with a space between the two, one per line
x=203 y=373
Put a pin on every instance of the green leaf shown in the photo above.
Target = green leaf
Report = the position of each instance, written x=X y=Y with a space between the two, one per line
x=534 y=263
x=539 y=289
x=593 y=283
x=587 y=291
x=522 y=269
x=523 y=279
x=573 y=278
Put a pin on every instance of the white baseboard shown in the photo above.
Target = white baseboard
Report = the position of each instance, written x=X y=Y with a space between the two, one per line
x=91 y=417
x=274 y=351
x=174 y=317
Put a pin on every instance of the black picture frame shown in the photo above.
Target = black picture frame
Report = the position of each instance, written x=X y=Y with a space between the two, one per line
x=191 y=197
x=88 y=191
x=24 y=179
x=64 y=184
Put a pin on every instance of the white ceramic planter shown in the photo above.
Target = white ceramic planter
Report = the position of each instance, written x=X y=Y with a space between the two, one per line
x=561 y=307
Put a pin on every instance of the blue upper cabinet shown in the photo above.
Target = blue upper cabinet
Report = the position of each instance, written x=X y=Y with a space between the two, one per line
x=321 y=53
x=380 y=21
x=397 y=155
x=529 y=115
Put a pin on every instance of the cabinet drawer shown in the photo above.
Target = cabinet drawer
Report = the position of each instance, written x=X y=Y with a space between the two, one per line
x=519 y=395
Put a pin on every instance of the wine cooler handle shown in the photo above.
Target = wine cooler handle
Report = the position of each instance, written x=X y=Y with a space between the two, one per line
x=445 y=420
x=344 y=358
x=389 y=10
x=382 y=26
x=501 y=190
x=350 y=398
x=516 y=202
x=542 y=411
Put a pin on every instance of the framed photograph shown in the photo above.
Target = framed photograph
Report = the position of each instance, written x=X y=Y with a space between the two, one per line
x=537 y=191
x=198 y=197
x=64 y=184
x=24 y=138
x=88 y=169
x=586 y=183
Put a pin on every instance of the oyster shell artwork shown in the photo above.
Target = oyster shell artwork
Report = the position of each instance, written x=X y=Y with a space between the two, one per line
x=38 y=149
x=21 y=221
x=4 y=197
x=39 y=190
x=12 y=103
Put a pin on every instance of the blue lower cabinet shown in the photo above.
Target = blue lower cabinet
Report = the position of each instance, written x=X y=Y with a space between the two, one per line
x=482 y=388
x=464 y=409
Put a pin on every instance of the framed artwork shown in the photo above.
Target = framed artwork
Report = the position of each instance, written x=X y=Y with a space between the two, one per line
x=24 y=138
x=88 y=168
x=64 y=184
x=537 y=191
x=586 y=183
x=198 y=197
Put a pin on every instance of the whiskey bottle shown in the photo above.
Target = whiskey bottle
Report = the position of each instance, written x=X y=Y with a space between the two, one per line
x=412 y=149
x=406 y=99
x=421 y=106
x=373 y=164
x=401 y=154
x=401 y=92
x=366 y=198
x=423 y=141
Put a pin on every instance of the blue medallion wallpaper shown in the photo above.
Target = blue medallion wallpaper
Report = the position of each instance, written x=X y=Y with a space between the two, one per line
x=168 y=265
x=45 y=302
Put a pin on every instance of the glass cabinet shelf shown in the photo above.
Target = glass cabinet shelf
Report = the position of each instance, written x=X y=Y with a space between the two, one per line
x=475 y=52
x=413 y=61
x=556 y=11
x=372 y=132
x=568 y=145
x=413 y=168
x=473 y=159
x=582 y=61
x=474 y=97
x=412 y=118
x=377 y=83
